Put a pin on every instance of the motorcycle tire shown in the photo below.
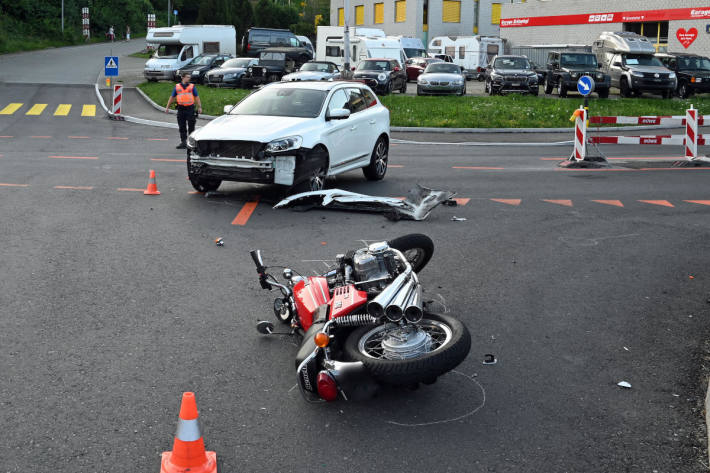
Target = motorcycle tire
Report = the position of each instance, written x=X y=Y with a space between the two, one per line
x=421 y=369
x=417 y=248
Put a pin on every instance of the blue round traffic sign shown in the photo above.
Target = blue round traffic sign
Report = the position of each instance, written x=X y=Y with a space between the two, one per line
x=585 y=85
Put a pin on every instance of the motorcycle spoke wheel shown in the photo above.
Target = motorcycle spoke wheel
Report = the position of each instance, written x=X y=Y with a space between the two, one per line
x=370 y=344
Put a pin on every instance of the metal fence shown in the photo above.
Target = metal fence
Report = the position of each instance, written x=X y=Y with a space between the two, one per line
x=538 y=53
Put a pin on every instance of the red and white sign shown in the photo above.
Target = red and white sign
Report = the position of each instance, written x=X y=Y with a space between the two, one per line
x=686 y=38
x=697 y=13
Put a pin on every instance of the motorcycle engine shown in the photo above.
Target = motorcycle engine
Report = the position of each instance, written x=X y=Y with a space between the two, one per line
x=374 y=262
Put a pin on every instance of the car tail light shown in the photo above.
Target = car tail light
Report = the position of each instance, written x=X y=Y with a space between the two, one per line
x=327 y=387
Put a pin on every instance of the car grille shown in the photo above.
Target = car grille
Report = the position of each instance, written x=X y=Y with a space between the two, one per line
x=228 y=149
x=516 y=77
x=215 y=78
x=435 y=82
x=652 y=75
x=258 y=71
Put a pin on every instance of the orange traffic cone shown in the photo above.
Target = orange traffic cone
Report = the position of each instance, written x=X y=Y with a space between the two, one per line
x=152 y=188
x=188 y=454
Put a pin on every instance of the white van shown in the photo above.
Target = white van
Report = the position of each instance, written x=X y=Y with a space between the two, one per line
x=472 y=53
x=178 y=45
x=413 y=47
x=365 y=43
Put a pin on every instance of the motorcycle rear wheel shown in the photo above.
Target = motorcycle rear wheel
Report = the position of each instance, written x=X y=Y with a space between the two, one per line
x=417 y=249
x=451 y=344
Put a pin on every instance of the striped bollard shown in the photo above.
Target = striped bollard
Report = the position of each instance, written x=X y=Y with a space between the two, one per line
x=580 y=134
x=117 y=97
x=691 y=134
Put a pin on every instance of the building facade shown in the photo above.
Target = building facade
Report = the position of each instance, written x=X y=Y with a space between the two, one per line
x=671 y=25
x=424 y=19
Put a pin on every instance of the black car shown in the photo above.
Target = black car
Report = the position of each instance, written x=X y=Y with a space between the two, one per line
x=540 y=71
x=273 y=64
x=230 y=73
x=692 y=71
x=511 y=74
x=257 y=39
x=199 y=66
x=564 y=68
x=382 y=75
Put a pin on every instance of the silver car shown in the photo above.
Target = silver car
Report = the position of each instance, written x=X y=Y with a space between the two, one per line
x=314 y=70
x=442 y=78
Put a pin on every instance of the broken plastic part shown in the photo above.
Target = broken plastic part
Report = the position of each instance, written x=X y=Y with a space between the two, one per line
x=219 y=242
x=624 y=384
x=458 y=219
x=489 y=359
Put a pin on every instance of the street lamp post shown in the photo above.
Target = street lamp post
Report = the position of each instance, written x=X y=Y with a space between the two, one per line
x=62 y=16
x=346 y=39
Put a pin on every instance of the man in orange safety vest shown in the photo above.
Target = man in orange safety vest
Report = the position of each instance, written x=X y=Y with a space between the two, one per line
x=185 y=94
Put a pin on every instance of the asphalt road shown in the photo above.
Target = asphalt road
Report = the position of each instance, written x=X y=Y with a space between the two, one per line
x=113 y=303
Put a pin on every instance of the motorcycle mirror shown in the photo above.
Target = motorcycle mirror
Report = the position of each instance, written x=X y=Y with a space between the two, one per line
x=264 y=327
x=258 y=261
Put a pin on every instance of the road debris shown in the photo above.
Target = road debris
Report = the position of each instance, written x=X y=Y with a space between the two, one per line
x=458 y=219
x=219 y=242
x=626 y=348
x=416 y=206
x=489 y=359
x=624 y=384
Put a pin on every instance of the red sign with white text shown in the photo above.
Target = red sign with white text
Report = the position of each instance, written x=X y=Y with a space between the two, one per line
x=686 y=38
x=609 y=17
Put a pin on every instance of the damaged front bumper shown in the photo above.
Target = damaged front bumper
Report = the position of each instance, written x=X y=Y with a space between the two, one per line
x=276 y=169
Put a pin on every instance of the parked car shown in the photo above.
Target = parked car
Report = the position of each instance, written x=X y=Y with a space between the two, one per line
x=306 y=43
x=273 y=64
x=511 y=74
x=199 y=66
x=383 y=75
x=564 y=68
x=294 y=134
x=444 y=57
x=415 y=66
x=230 y=73
x=692 y=71
x=257 y=39
x=314 y=70
x=540 y=71
x=442 y=78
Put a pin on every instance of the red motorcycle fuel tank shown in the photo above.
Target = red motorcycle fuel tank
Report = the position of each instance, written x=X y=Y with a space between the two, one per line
x=309 y=297
x=345 y=300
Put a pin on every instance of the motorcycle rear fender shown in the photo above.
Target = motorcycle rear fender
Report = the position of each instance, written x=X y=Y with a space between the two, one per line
x=353 y=378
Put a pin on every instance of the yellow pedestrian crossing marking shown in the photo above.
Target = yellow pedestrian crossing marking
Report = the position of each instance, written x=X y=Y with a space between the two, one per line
x=62 y=110
x=88 y=111
x=37 y=109
x=10 y=109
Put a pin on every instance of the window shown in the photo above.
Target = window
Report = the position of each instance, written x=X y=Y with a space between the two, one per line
x=462 y=52
x=333 y=51
x=400 y=11
x=437 y=42
x=338 y=100
x=379 y=13
x=295 y=43
x=341 y=17
x=188 y=53
x=450 y=51
x=211 y=47
x=360 y=15
x=356 y=101
x=656 y=32
x=451 y=11
x=495 y=13
x=369 y=98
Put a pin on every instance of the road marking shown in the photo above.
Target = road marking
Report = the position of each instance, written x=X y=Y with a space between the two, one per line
x=396 y=166
x=78 y=137
x=10 y=109
x=116 y=138
x=565 y=202
x=74 y=157
x=167 y=160
x=41 y=137
x=36 y=109
x=196 y=192
x=78 y=188
x=7 y=184
x=461 y=200
x=88 y=111
x=129 y=189
x=701 y=202
x=486 y=168
x=615 y=203
x=243 y=216
x=6 y=136
x=662 y=203
x=596 y=170
x=508 y=201
x=62 y=110
x=674 y=169
x=157 y=139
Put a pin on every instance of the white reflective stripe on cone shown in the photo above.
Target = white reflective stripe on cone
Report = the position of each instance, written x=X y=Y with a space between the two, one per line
x=188 y=430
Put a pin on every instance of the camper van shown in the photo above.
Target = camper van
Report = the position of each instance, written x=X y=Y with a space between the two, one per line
x=472 y=53
x=413 y=47
x=365 y=43
x=629 y=59
x=178 y=45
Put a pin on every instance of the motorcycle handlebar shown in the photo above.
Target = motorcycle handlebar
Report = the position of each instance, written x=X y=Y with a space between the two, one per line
x=258 y=261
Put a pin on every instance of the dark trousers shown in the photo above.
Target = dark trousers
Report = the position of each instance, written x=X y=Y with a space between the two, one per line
x=186 y=121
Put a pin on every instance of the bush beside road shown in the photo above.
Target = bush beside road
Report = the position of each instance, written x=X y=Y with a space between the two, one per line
x=510 y=111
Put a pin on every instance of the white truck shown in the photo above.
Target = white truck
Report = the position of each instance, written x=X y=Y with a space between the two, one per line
x=472 y=53
x=365 y=43
x=175 y=46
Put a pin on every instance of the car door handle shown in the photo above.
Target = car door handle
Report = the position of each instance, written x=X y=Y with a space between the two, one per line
x=353 y=128
x=372 y=122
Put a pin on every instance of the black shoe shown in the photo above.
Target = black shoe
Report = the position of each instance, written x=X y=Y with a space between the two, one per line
x=181 y=146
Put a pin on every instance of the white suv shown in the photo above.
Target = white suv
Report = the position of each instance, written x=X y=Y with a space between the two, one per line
x=294 y=134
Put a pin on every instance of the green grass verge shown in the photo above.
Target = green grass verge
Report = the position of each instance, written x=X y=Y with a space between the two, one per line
x=511 y=111
x=142 y=54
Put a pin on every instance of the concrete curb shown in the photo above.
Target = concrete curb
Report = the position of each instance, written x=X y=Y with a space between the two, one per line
x=162 y=109
x=707 y=417
x=128 y=118
x=482 y=143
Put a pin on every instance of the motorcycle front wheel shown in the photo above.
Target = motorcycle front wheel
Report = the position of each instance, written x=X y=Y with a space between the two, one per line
x=417 y=249
x=437 y=346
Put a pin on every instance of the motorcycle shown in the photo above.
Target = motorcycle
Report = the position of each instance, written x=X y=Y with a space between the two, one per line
x=364 y=323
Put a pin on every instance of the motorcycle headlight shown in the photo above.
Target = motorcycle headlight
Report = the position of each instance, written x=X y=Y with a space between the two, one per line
x=284 y=144
x=191 y=142
x=637 y=74
x=382 y=77
x=671 y=75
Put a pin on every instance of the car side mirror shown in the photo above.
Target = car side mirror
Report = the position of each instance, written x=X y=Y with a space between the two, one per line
x=617 y=64
x=396 y=69
x=338 y=114
x=228 y=108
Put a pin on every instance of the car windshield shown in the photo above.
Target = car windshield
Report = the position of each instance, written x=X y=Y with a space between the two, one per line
x=316 y=66
x=443 y=68
x=373 y=66
x=694 y=63
x=414 y=52
x=511 y=63
x=570 y=60
x=168 y=51
x=282 y=102
x=641 y=60
x=202 y=61
x=238 y=62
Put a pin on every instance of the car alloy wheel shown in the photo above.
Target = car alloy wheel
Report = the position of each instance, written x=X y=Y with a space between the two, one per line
x=376 y=170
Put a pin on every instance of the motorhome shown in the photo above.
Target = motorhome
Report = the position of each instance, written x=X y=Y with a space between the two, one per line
x=472 y=53
x=413 y=47
x=365 y=43
x=629 y=59
x=178 y=45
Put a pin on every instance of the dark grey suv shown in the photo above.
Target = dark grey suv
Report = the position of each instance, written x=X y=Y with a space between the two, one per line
x=564 y=68
x=511 y=74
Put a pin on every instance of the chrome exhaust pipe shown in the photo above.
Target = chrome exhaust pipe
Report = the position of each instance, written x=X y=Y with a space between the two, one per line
x=413 y=311
x=395 y=309
x=376 y=307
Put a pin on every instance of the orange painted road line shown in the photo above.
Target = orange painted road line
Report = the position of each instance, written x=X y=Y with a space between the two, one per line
x=615 y=203
x=129 y=189
x=596 y=170
x=508 y=201
x=116 y=138
x=73 y=157
x=78 y=137
x=43 y=137
x=7 y=184
x=396 y=166
x=565 y=202
x=196 y=192
x=461 y=200
x=243 y=216
x=662 y=203
x=701 y=202
x=487 y=168
x=77 y=188
x=168 y=160
x=655 y=158
x=6 y=136
x=157 y=139
x=674 y=169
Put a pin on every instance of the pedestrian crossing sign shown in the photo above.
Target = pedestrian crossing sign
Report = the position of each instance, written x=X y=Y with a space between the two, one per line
x=110 y=66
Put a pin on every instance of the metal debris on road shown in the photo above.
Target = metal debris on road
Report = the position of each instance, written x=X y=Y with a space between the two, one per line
x=458 y=219
x=219 y=241
x=489 y=359
x=624 y=384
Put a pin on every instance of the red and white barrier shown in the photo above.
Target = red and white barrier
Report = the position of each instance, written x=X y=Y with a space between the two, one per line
x=580 y=134
x=117 y=98
x=647 y=120
x=85 y=25
x=677 y=140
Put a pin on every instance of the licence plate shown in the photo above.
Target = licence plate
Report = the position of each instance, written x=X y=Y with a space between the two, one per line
x=699 y=79
x=516 y=84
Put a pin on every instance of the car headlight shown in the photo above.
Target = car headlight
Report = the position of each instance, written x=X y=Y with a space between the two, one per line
x=191 y=142
x=195 y=73
x=671 y=75
x=382 y=77
x=284 y=144
x=600 y=76
x=230 y=75
x=458 y=81
x=574 y=75
x=423 y=81
x=637 y=74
